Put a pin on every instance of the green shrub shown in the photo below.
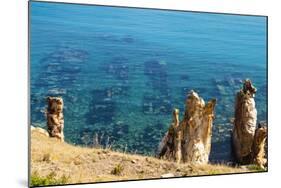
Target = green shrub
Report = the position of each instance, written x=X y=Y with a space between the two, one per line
x=213 y=172
x=254 y=167
x=50 y=179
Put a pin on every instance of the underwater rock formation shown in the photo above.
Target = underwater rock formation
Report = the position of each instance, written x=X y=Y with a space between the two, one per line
x=66 y=60
x=248 y=141
x=190 y=140
x=157 y=104
x=55 y=120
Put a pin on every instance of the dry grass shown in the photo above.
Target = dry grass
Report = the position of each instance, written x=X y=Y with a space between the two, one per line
x=83 y=165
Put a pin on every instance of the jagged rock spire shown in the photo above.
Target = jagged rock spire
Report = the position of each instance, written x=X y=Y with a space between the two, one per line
x=190 y=140
x=55 y=120
x=248 y=139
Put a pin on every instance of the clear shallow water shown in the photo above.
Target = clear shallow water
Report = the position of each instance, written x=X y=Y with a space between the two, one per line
x=121 y=71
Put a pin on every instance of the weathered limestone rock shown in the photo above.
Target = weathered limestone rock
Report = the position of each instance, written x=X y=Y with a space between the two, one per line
x=55 y=121
x=244 y=122
x=178 y=136
x=197 y=129
x=170 y=146
x=248 y=141
x=190 y=140
x=258 y=151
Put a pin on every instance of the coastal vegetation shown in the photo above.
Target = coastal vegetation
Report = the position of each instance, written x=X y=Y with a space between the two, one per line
x=54 y=162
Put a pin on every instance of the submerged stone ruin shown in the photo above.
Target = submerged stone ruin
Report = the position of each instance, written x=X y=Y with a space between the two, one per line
x=189 y=141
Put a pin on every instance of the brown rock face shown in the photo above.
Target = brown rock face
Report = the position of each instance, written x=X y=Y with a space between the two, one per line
x=258 y=151
x=170 y=146
x=248 y=141
x=245 y=121
x=190 y=140
x=55 y=121
x=197 y=129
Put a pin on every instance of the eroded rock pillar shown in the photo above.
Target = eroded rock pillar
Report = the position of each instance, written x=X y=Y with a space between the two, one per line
x=244 y=122
x=258 y=149
x=190 y=140
x=197 y=129
x=55 y=120
x=248 y=139
x=170 y=146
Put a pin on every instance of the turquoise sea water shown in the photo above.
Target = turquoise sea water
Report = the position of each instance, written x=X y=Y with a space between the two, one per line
x=121 y=71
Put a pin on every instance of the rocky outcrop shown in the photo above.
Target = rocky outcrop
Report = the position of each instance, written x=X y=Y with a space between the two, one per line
x=39 y=130
x=244 y=122
x=258 y=149
x=170 y=146
x=197 y=129
x=55 y=120
x=248 y=141
x=190 y=140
